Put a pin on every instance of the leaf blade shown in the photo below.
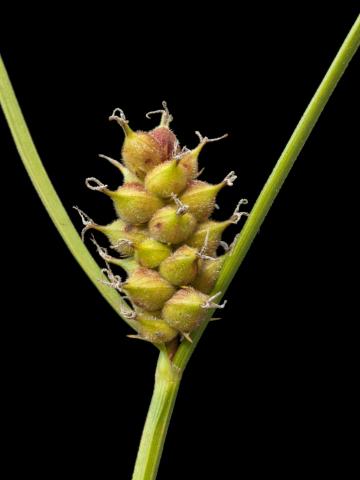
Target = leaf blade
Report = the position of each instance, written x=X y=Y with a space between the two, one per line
x=47 y=193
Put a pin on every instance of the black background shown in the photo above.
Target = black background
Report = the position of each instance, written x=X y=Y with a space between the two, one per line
x=269 y=388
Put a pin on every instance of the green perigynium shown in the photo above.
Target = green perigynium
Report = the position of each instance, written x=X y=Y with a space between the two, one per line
x=167 y=242
x=181 y=267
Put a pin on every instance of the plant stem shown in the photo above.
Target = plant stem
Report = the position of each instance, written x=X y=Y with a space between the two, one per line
x=167 y=381
x=165 y=391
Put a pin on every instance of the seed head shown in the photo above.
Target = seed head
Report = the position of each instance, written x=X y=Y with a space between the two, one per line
x=150 y=253
x=152 y=328
x=121 y=235
x=169 y=226
x=141 y=152
x=208 y=273
x=164 y=136
x=164 y=233
x=181 y=267
x=200 y=196
x=132 y=202
x=147 y=289
x=166 y=179
x=184 y=310
x=214 y=230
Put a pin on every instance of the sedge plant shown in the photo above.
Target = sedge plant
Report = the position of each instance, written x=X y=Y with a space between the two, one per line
x=164 y=271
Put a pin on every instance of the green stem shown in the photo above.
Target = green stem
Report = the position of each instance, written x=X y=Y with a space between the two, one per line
x=165 y=391
x=167 y=381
